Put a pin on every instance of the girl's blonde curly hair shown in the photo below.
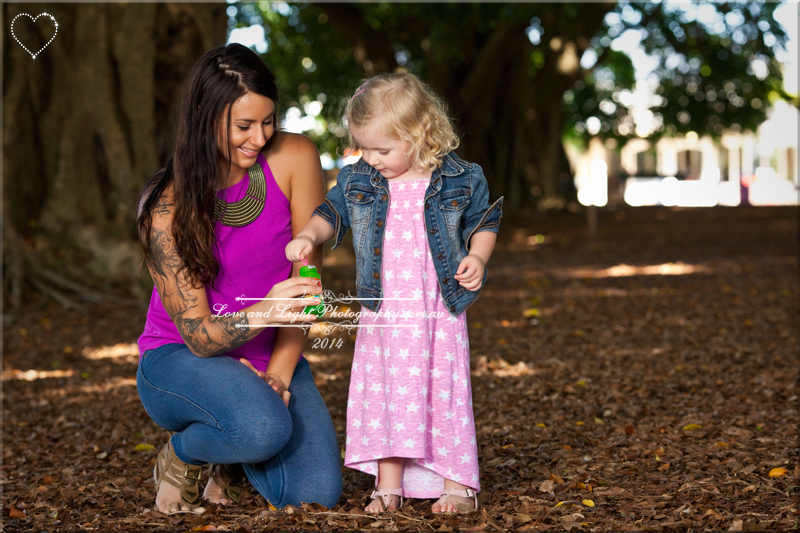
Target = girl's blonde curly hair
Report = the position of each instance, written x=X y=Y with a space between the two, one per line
x=409 y=111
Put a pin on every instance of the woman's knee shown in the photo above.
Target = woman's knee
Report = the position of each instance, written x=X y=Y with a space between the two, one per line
x=259 y=435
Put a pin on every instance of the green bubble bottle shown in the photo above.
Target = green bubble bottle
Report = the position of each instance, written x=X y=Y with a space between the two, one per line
x=310 y=271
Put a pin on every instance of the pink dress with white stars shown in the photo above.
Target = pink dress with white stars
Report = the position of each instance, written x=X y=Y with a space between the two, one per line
x=410 y=393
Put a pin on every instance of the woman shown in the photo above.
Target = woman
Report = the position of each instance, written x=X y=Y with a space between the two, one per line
x=213 y=226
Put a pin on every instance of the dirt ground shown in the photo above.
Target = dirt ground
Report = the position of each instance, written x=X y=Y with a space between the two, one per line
x=644 y=379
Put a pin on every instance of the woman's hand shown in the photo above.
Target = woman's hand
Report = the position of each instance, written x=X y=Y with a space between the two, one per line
x=470 y=272
x=285 y=304
x=273 y=379
x=299 y=247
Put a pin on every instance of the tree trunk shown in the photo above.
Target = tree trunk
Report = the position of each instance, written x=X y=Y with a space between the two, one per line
x=87 y=122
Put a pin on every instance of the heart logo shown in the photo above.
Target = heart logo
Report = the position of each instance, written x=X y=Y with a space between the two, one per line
x=34 y=19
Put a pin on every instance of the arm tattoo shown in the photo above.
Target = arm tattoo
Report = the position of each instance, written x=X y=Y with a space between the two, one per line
x=205 y=336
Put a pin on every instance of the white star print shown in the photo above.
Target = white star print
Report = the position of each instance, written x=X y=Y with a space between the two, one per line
x=349 y=403
x=436 y=372
x=442 y=451
x=376 y=387
x=359 y=386
x=413 y=371
x=455 y=377
x=417 y=253
x=391 y=407
x=348 y=441
x=425 y=391
x=406 y=275
x=384 y=440
x=449 y=357
x=416 y=333
x=412 y=408
x=367 y=367
x=464 y=420
x=357 y=423
x=407 y=235
x=436 y=432
x=355 y=366
x=364 y=440
x=366 y=404
x=399 y=426
x=389 y=275
x=448 y=415
x=406 y=204
x=421 y=426
x=386 y=352
x=402 y=391
x=417 y=294
x=466 y=458
x=403 y=353
x=408 y=443
x=456 y=441
x=444 y=394
x=441 y=335
x=392 y=372
x=375 y=423
x=398 y=253
x=395 y=333
x=388 y=235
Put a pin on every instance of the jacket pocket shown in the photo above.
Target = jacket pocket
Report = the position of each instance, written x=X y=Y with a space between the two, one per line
x=453 y=205
x=360 y=199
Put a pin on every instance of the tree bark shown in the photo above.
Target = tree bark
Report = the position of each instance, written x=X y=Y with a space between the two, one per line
x=87 y=123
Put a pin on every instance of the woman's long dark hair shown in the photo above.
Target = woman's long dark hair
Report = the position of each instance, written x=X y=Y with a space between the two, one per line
x=219 y=78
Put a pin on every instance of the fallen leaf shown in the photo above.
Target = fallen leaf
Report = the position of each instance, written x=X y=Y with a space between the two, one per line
x=144 y=447
x=778 y=472
x=690 y=427
x=587 y=503
x=16 y=513
x=521 y=518
x=547 y=486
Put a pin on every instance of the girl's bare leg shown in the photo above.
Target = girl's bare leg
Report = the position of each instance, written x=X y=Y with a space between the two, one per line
x=390 y=476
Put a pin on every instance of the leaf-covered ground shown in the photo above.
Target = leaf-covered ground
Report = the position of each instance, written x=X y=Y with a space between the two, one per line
x=645 y=379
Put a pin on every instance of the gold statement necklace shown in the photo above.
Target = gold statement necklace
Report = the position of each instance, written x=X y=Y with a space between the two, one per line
x=246 y=210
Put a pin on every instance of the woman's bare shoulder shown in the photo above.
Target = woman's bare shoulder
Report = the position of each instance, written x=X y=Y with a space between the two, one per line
x=288 y=145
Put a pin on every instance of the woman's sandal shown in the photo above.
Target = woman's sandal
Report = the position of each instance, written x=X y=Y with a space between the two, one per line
x=185 y=477
x=382 y=495
x=229 y=479
x=461 y=508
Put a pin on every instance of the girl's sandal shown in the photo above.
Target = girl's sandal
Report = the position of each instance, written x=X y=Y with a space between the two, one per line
x=229 y=479
x=384 y=497
x=461 y=508
x=185 y=477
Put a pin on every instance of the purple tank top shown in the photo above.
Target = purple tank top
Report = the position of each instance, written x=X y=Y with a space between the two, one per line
x=251 y=260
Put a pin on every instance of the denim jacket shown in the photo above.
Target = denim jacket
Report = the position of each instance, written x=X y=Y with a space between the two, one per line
x=456 y=207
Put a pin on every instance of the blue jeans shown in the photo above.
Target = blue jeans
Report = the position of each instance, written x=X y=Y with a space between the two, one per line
x=222 y=412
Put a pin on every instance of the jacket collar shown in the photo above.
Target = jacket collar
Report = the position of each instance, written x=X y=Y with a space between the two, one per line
x=452 y=165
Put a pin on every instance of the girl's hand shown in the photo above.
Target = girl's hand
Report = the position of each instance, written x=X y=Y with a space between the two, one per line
x=470 y=272
x=298 y=248
x=273 y=379
x=286 y=304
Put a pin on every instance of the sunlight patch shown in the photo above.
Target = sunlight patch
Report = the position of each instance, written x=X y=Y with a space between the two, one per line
x=626 y=271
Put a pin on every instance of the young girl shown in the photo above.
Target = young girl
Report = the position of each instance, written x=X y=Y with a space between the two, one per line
x=423 y=231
